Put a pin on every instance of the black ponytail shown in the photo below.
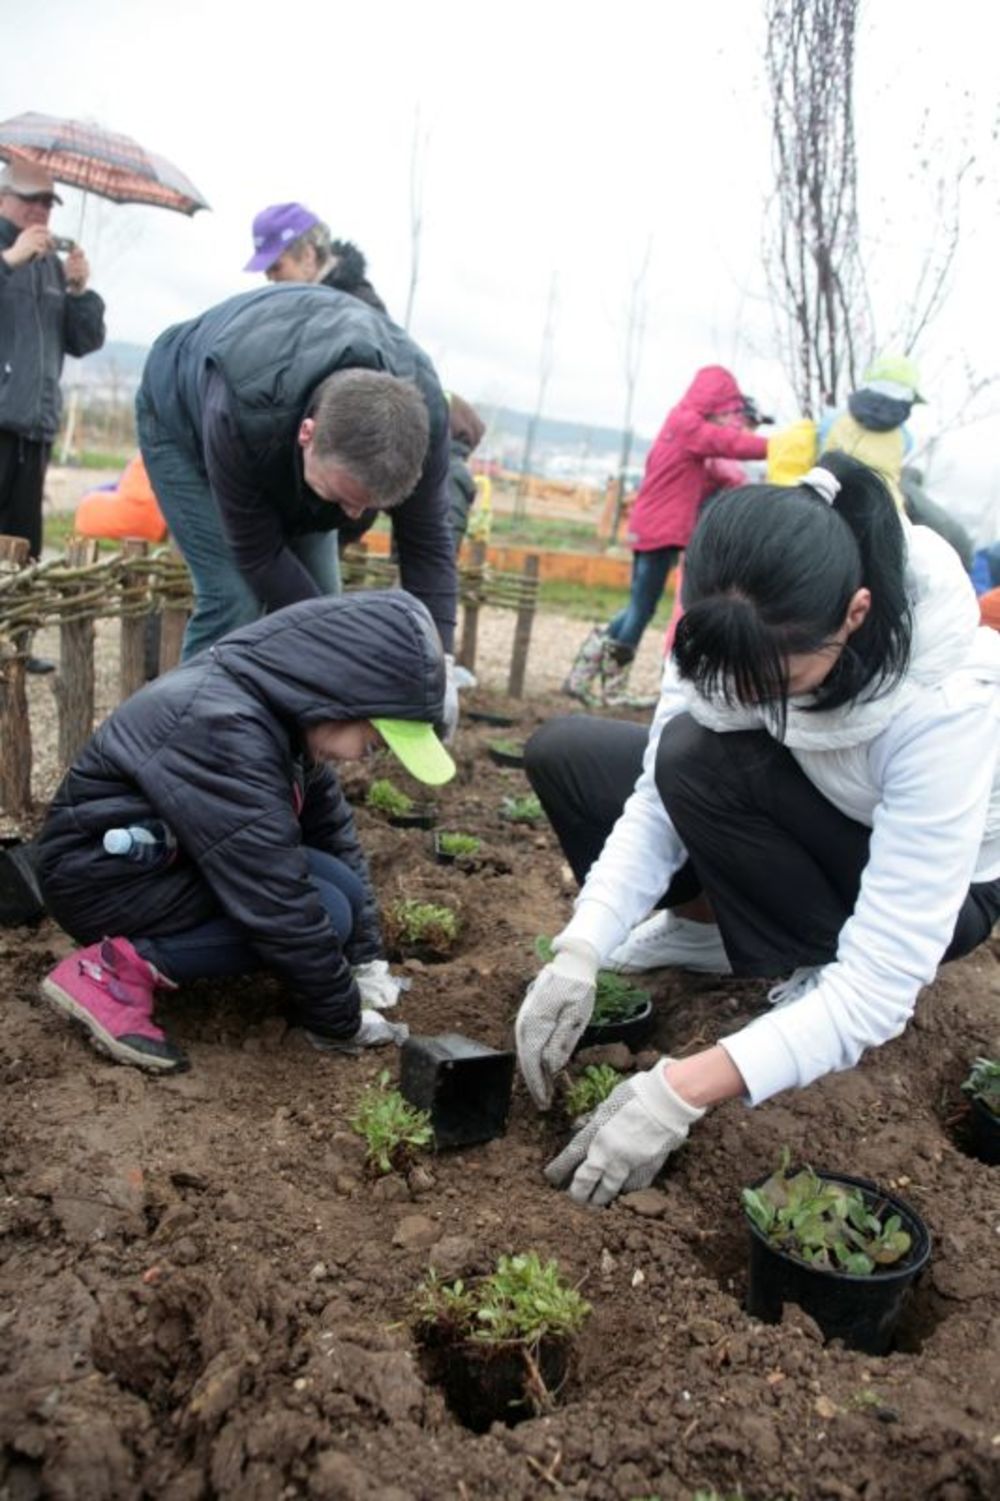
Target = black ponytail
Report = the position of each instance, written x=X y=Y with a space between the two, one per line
x=771 y=571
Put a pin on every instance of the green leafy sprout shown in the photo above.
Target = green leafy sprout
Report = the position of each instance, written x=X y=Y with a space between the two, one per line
x=829 y=1225
x=983 y=1083
x=616 y=1001
x=392 y=1128
x=592 y=1087
x=424 y=922
x=385 y=797
x=522 y=1301
x=507 y=747
x=525 y=809
x=458 y=844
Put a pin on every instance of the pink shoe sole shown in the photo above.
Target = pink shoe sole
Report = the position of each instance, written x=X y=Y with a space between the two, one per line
x=141 y=1052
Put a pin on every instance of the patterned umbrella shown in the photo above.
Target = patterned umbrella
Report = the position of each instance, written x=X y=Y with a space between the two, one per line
x=98 y=161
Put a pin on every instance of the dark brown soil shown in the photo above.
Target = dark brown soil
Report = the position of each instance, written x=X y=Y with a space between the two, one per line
x=203 y=1295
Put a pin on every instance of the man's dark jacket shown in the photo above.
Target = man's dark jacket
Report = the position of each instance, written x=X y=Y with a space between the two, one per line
x=40 y=323
x=232 y=387
x=215 y=749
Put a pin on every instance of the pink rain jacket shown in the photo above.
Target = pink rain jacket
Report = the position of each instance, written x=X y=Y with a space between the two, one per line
x=677 y=478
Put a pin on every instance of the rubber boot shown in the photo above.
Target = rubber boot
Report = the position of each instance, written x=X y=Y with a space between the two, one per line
x=586 y=666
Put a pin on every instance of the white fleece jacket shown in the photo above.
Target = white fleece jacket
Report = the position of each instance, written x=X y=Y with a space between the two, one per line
x=920 y=766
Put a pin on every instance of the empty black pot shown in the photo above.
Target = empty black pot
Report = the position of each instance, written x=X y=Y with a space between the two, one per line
x=464 y=1085
x=861 y=1311
x=632 y=1030
x=20 y=896
x=487 y=716
x=984 y=1133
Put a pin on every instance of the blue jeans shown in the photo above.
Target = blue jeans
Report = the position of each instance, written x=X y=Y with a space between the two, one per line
x=222 y=947
x=649 y=574
x=223 y=600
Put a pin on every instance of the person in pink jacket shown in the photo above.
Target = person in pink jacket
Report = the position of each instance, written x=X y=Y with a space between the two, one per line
x=711 y=422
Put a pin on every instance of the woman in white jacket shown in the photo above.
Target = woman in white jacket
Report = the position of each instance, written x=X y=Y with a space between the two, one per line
x=818 y=797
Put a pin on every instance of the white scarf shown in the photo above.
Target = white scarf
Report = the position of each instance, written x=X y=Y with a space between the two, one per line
x=946 y=636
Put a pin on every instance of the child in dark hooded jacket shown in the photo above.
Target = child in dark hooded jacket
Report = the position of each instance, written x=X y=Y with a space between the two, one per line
x=228 y=751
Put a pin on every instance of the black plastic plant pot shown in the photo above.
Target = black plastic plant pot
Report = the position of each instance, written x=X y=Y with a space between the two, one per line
x=984 y=1132
x=494 y=1383
x=464 y=1085
x=632 y=1030
x=861 y=1311
x=420 y=816
x=514 y=759
x=444 y=857
x=487 y=716
x=20 y=896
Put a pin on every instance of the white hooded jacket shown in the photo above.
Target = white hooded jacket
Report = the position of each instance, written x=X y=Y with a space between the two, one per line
x=920 y=766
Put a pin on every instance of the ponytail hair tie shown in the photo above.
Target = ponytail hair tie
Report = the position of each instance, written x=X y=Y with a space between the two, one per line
x=823 y=483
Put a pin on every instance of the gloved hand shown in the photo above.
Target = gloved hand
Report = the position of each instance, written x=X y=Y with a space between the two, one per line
x=374 y=1032
x=552 y=1017
x=377 y=986
x=627 y=1139
x=450 y=699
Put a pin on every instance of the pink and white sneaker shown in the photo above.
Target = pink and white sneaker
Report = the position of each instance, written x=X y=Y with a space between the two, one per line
x=110 y=989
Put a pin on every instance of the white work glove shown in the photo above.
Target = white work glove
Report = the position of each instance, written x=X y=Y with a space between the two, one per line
x=374 y=1032
x=450 y=699
x=377 y=986
x=627 y=1139
x=553 y=1015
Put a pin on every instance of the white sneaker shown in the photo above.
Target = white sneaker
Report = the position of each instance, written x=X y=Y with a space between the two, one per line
x=798 y=984
x=666 y=941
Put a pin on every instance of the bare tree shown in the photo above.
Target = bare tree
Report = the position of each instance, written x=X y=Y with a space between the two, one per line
x=418 y=157
x=813 y=259
x=544 y=373
x=635 y=338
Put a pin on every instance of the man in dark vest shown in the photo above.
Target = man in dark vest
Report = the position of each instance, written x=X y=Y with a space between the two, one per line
x=273 y=420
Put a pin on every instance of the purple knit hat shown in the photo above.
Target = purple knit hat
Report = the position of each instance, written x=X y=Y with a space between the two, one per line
x=274 y=229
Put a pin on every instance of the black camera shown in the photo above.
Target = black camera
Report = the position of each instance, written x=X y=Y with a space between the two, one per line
x=61 y=245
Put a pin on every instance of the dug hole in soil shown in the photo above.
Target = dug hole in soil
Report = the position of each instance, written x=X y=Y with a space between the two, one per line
x=203 y=1294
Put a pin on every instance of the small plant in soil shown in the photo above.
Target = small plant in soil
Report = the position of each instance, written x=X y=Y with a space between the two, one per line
x=499 y=1345
x=393 y=1130
x=385 y=797
x=591 y=1089
x=422 y=925
x=525 y=809
x=828 y=1225
x=458 y=845
x=616 y=1000
x=507 y=747
x=983 y=1084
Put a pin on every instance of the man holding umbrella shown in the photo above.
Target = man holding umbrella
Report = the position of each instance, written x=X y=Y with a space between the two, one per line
x=45 y=314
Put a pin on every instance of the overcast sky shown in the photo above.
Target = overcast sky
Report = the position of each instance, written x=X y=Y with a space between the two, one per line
x=559 y=137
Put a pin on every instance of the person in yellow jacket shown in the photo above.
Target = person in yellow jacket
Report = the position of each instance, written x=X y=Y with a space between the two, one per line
x=872 y=428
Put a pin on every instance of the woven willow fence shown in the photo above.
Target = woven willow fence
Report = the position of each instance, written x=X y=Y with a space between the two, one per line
x=139 y=588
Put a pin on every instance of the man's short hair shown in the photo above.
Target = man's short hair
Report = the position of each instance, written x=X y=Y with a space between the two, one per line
x=376 y=426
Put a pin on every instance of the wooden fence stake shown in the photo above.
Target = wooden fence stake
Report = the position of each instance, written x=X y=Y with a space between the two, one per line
x=15 y=726
x=470 y=610
x=133 y=633
x=173 y=623
x=522 y=627
x=74 y=683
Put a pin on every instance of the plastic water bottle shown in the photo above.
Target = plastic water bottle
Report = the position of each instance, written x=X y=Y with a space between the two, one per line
x=150 y=844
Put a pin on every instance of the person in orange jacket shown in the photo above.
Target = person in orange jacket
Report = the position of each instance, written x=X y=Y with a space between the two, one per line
x=128 y=509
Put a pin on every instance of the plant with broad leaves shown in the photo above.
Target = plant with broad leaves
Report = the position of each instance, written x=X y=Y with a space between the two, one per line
x=385 y=797
x=983 y=1083
x=393 y=1129
x=591 y=1088
x=830 y=1225
x=458 y=844
x=525 y=809
x=616 y=999
x=522 y=1301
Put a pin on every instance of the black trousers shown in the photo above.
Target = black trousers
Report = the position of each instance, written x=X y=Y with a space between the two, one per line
x=22 y=479
x=780 y=864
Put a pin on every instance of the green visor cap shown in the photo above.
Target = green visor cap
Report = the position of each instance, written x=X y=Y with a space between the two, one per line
x=419 y=749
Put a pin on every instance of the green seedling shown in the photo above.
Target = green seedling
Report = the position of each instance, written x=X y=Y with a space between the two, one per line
x=422 y=922
x=385 y=797
x=507 y=747
x=525 y=809
x=522 y=1301
x=983 y=1083
x=458 y=844
x=828 y=1225
x=393 y=1129
x=591 y=1088
x=616 y=1000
